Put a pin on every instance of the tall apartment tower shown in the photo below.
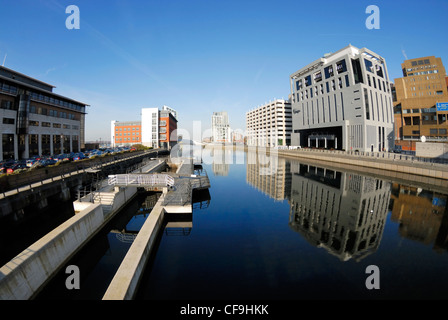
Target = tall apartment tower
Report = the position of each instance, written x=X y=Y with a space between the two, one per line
x=343 y=101
x=220 y=127
x=421 y=105
x=270 y=125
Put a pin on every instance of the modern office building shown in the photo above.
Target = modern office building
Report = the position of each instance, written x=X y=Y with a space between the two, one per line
x=270 y=125
x=126 y=133
x=221 y=127
x=343 y=101
x=35 y=121
x=421 y=103
x=157 y=129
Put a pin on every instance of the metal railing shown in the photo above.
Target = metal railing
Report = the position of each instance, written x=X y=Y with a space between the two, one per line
x=140 y=180
x=368 y=154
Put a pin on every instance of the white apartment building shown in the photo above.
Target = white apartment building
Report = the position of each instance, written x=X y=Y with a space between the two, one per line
x=270 y=125
x=343 y=101
x=220 y=127
x=150 y=127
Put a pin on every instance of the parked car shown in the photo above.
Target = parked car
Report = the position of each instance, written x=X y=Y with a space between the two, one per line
x=17 y=166
x=78 y=156
x=6 y=165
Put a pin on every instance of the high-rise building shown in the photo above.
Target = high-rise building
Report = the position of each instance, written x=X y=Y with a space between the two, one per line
x=421 y=103
x=220 y=127
x=35 y=121
x=270 y=125
x=343 y=101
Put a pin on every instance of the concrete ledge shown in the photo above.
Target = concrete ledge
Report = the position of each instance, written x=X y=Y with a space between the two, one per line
x=125 y=282
x=24 y=275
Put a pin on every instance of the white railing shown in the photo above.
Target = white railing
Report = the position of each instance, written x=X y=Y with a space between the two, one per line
x=141 y=180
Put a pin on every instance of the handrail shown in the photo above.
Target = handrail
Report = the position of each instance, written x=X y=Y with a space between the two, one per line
x=141 y=180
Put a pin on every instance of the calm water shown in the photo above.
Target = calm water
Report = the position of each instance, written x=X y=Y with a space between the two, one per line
x=281 y=229
x=290 y=230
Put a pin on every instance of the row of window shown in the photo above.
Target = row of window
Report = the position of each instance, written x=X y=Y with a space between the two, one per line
x=319 y=89
x=43 y=98
x=425 y=120
x=423 y=73
x=432 y=132
x=43 y=124
x=128 y=134
x=52 y=113
x=55 y=101
x=127 y=129
x=127 y=139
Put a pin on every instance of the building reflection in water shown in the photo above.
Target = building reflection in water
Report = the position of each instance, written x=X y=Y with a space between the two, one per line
x=422 y=215
x=271 y=175
x=221 y=161
x=344 y=213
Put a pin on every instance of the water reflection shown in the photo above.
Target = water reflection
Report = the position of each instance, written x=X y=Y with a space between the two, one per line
x=422 y=215
x=342 y=212
x=345 y=213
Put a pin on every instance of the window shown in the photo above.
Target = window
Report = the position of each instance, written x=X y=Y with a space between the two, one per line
x=328 y=87
x=46 y=124
x=299 y=85
x=366 y=98
x=34 y=123
x=347 y=82
x=442 y=131
x=328 y=72
x=379 y=71
x=56 y=125
x=308 y=81
x=369 y=65
x=341 y=66
x=433 y=131
x=318 y=76
x=9 y=121
x=340 y=83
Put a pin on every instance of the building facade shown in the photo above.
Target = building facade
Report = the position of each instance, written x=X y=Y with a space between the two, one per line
x=343 y=101
x=35 y=121
x=421 y=104
x=126 y=133
x=221 y=128
x=270 y=125
x=157 y=129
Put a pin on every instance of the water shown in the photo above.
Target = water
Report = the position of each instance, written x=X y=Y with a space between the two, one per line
x=290 y=230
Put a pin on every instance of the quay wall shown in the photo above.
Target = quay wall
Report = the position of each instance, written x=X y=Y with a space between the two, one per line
x=24 y=276
x=393 y=165
x=125 y=282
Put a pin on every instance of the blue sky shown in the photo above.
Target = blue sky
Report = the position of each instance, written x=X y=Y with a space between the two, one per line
x=201 y=56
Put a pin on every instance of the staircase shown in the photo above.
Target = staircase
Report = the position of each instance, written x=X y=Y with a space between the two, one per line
x=105 y=199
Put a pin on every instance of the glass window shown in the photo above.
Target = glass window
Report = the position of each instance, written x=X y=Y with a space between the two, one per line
x=308 y=81
x=328 y=72
x=347 y=82
x=341 y=66
x=369 y=65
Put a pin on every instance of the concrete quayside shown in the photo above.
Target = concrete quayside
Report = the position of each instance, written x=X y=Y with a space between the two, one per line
x=28 y=273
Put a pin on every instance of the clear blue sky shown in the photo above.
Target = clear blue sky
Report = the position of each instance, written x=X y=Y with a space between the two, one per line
x=201 y=56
